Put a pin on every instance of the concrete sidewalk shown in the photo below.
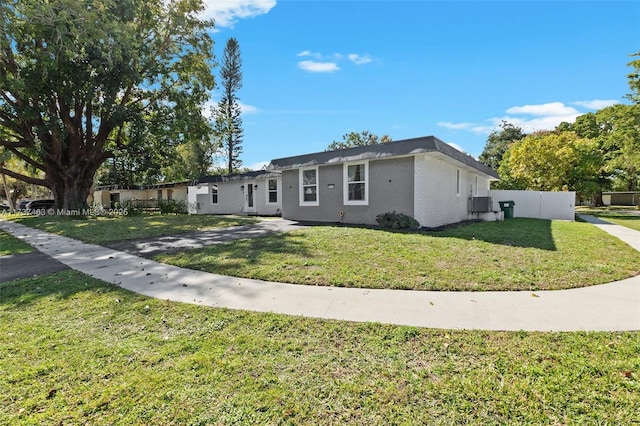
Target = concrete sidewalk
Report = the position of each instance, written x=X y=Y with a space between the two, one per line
x=609 y=307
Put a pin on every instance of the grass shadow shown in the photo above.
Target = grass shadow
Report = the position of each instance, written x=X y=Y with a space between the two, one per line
x=516 y=232
x=227 y=258
x=64 y=285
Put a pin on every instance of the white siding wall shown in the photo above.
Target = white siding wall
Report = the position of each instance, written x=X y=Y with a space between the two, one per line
x=537 y=204
x=420 y=189
x=231 y=198
x=436 y=202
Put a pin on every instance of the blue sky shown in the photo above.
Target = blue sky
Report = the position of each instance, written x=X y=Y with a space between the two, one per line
x=315 y=70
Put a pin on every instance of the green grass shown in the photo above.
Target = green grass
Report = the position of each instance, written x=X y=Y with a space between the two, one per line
x=628 y=217
x=103 y=229
x=76 y=350
x=12 y=245
x=518 y=254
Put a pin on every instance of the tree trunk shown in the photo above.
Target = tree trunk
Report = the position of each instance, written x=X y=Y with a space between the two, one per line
x=71 y=187
x=597 y=199
x=7 y=193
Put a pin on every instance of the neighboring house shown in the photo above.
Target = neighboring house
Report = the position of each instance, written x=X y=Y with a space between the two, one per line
x=146 y=196
x=621 y=198
x=251 y=193
x=423 y=177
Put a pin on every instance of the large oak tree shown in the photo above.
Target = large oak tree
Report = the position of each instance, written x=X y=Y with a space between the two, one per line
x=81 y=80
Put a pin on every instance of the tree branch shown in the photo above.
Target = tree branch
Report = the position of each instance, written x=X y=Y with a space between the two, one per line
x=25 y=158
x=24 y=178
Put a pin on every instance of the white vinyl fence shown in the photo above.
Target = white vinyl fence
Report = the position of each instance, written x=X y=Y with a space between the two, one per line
x=537 y=204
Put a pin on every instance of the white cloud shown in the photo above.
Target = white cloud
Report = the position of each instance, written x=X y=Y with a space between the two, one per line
x=547 y=116
x=359 y=59
x=596 y=103
x=455 y=126
x=456 y=146
x=329 y=63
x=472 y=127
x=248 y=109
x=260 y=165
x=227 y=12
x=531 y=118
x=315 y=66
x=546 y=110
x=308 y=53
x=210 y=105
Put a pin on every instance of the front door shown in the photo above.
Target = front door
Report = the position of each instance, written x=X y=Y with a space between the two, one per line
x=249 y=198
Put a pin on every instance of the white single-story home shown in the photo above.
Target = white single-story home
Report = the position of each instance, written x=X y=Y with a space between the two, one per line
x=107 y=196
x=252 y=193
x=423 y=177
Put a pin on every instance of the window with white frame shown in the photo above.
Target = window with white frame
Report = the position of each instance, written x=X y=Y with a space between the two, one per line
x=356 y=190
x=272 y=191
x=458 y=182
x=309 y=187
x=214 y=194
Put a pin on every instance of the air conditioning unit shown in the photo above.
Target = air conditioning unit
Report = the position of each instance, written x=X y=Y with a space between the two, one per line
x=480 y=204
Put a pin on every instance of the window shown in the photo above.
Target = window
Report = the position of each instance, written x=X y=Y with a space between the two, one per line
x=272 y=191
x=169 y=194
x=477 y=192
x=159 y=194
x=356 y=190
x=214 y=194
x=458 y=182
x=309 y=187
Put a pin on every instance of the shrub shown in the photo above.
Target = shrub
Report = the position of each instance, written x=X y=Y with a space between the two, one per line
x=132 y=208
x=172 y=206
x=395 y=220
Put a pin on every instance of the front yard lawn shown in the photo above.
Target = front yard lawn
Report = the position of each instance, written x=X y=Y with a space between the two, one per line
x=76 y=350
x=12 y=245
x=104 y=229
x=518 y=254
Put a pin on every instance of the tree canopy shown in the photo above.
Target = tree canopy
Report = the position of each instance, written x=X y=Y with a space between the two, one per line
x=498 y=142
x=552 y=161
x=363 y=138
x=82 y=81
x=599 y=151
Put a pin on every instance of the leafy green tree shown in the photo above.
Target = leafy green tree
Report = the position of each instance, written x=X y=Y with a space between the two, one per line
x=617 y=130
x=620 y=140
x=192 y=160
x=228 y=114
x=498 y=142
x=84 y=80
x=634 y=79
x=552 y=161
x=353 y=139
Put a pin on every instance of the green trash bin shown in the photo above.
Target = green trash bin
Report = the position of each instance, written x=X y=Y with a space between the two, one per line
x=507 y=208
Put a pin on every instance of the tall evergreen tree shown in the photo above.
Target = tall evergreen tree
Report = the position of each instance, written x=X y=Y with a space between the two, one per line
x=228 y=124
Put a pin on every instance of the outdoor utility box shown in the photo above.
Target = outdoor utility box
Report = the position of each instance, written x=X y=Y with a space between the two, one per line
x=507 y=208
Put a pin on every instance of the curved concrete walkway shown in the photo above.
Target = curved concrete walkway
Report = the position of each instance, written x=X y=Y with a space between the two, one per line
x=608 y=307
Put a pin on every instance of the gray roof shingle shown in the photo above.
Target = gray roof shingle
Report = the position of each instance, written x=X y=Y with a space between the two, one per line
x=383 y=150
